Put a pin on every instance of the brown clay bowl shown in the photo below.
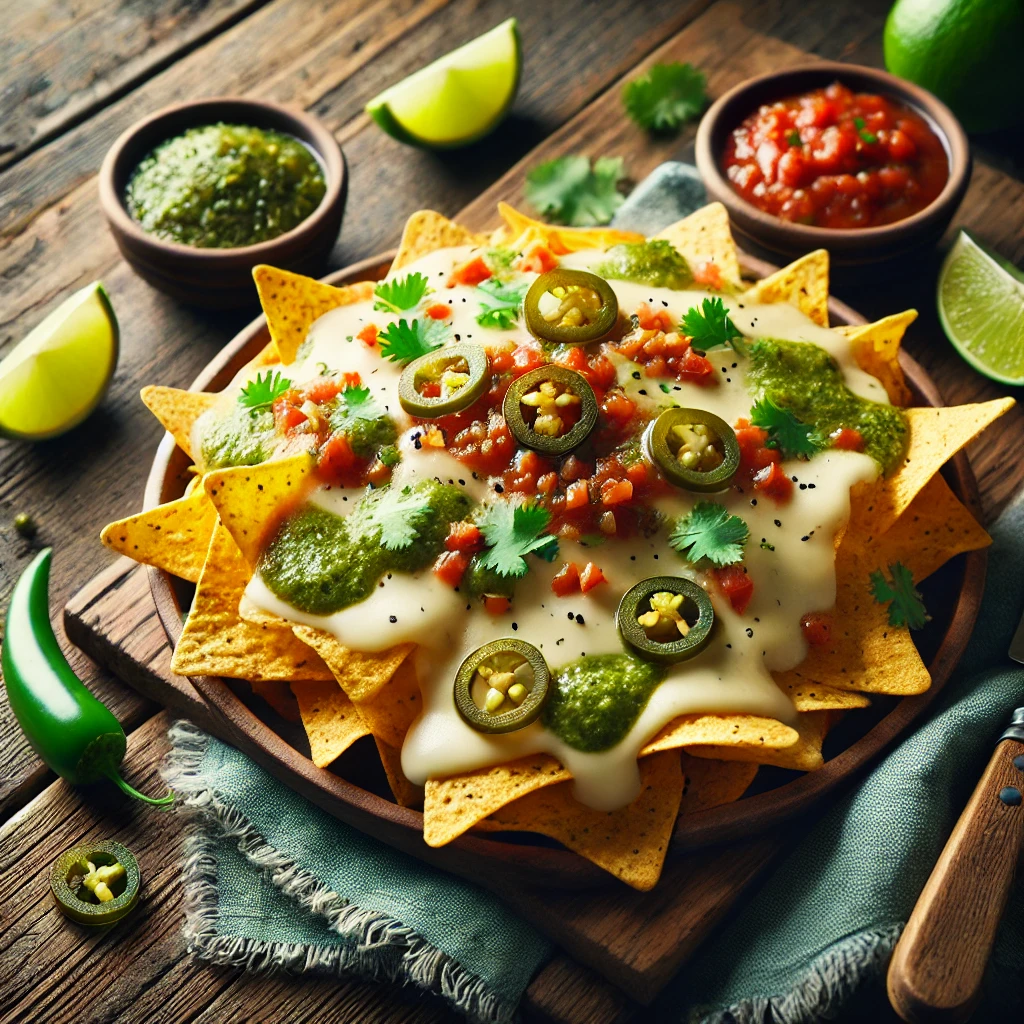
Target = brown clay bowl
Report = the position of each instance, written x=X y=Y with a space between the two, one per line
x=854 y=252
x=506 y=861
x=221 y=278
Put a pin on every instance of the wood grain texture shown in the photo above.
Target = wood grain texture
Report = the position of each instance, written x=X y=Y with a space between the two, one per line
x=937 y=967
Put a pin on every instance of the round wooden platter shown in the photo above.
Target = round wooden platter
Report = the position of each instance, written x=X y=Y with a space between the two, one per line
x=355 y=796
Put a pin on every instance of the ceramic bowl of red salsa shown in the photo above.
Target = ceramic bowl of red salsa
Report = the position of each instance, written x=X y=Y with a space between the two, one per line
x=849 y=159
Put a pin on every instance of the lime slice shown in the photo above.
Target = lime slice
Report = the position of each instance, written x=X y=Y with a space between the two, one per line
x=981 y=306
x=458 y=98
x=57 y=375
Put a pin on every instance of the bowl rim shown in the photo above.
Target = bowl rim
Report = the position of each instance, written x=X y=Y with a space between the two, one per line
x=310 y=130
x=941 y=119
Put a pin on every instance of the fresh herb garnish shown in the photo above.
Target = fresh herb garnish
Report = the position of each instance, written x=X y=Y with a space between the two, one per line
x=507 y=301
x=405 y=341
x=514 y=531
x=862 y=130
x=500 y=259
x=793 y=138
x=354 y=403
x=568 y=191
x=907 y=608
x=665 y=96
x=401 y=294
x=711 y=326
x=709 y=531
x=264 y=390
x=785 y=432
x=390 y=456
x=665 y=388
x=398 y=515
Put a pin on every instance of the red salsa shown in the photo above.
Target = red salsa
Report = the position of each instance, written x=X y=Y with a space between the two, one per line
x=834 y=158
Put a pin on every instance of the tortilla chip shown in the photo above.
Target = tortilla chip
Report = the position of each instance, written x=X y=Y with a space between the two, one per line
x=426 y=231
x=704 y=237
x=216 y=642
x=361 y=674
x=330 y=719
x=177 y=411
x=712 y=783
x=810 y=696
x=267 y=356
x=560 y=240
x=452 y=806
x=291 y=302
x=277 y=694
x=407 y=794
x=746 y=731
x=252 y=500
x=876 y=348
x=802 y=756
x=804 y=284
x=173 y=537
x=630 y=843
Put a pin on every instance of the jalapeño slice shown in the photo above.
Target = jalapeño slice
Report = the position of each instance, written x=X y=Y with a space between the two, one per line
x=557 y=394
x=665 y=618
x=502 y=686
x=455 y=377
x=582 y=307
x=694 y=448
x=96 y=883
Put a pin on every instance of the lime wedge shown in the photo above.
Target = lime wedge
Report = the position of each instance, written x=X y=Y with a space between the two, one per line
x=981 y=306
x=458 y=98
x=57 y=375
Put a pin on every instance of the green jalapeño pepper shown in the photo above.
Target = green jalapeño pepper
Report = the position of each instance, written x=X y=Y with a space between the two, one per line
x=66 y=725
x=570 y=307
x=502 y=686
x=694 y=448
x=96 y=883
x=447 y=380
x=665 y=618
x=558 y=396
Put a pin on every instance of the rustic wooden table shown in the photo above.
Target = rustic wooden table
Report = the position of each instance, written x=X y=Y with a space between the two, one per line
x=71 y=78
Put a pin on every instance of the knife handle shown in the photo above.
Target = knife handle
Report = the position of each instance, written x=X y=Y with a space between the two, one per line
x=936 y=971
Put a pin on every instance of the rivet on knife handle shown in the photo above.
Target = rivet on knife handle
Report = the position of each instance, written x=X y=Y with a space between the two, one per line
x=937 y=967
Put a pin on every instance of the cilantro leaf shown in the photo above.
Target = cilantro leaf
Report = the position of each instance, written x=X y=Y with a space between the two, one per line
x=864 y=132
x=711 y=326
x=264 y=390
x=405 y=341
x=568 y=191
x=709 y=531
x=354 y=403
x=514 y=531
x=785 y=432
x=907 y=608
x=397 y=514
x=665 y=96
x=400 y=294
x=508 y=299
x=793 y=138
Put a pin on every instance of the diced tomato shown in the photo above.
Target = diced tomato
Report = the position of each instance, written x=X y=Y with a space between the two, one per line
x=537 y=260
x=336 y=458
x=378 y=474
x=617 y=408
x=736 y=585
x=451 y=566
x=772 y=480
x=526 y=358
x=470 y=273
x=591 y=577
x=654 y=319
x=817 y=627
x=287 y=417
x=439 y=311
x=351 y=380
x=637 y=474
x=368 y=335
x=708 y=274
x=848 y=439
x=464 y=537
x=322 y=390
x=577 y=495
x=575 y=468
x=501 y=361
x=547 y=483
x=614 y=492
x=496 y=605
x=567 y=580
x=694 y=368
x=754 y=453
x=430 y=389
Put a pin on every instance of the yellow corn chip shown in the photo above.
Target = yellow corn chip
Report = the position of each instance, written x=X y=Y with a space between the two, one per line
x=452 y=806
x=252 y=500
x=330 y=719
x=713 y=783
x=876 y=348
x=362 y=675
x=173 y=537
x=704 y=237
x=178 y=411
x=560 y=239
x=292 y=302
x=277 y=694
x=804 y=284
x=267 y=356
x=407 y=794
x=427 y=231
x=747 y=731
x=809 y=696
x=802 y=756
x=216 y=642
x=630 y=843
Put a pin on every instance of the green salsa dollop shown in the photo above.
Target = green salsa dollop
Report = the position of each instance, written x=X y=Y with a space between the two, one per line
x=241 y=437
x=806 y=380
x=220 y=186
x=596 y=699
x=654 y=262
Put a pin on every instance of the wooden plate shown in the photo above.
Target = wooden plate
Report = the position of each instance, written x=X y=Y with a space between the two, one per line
x=355 y=796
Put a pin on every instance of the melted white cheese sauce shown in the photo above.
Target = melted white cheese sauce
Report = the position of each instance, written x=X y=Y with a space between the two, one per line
x=731 y=675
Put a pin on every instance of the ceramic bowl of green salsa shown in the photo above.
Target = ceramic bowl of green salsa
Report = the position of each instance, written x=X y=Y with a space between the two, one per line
x=198 y=194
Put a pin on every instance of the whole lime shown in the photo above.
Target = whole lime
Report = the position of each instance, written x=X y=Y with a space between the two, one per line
x=967 y=52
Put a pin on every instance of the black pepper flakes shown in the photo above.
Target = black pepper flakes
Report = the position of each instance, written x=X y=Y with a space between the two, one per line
x=515 y=625
x=579 y=620
x=392 y=618
x=778 y=522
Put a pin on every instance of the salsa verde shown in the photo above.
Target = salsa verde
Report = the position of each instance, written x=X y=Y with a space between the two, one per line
x=654 y=262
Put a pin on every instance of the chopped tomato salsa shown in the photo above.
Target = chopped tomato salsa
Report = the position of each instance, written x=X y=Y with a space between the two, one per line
x=834 y=158
x=848 y=439
x=737 y=586
x=817 y=628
